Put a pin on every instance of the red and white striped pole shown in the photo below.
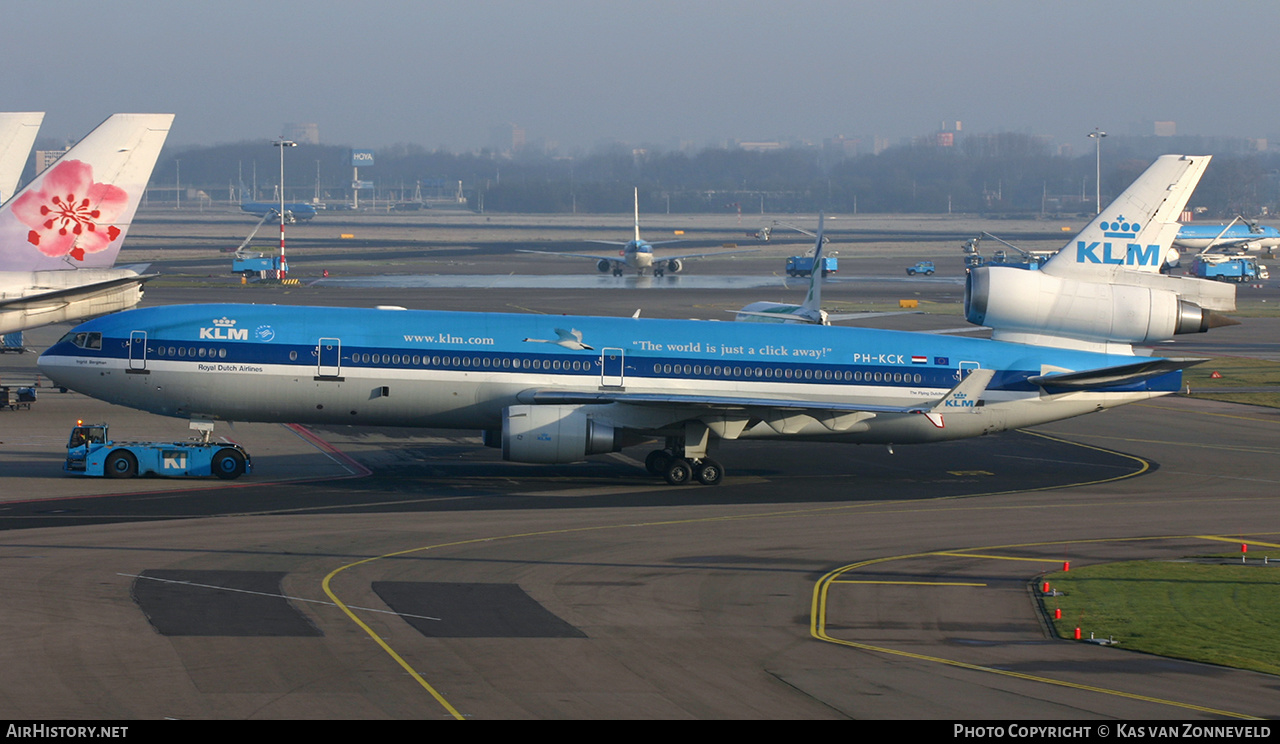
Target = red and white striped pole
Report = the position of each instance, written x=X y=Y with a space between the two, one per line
x=282 y=143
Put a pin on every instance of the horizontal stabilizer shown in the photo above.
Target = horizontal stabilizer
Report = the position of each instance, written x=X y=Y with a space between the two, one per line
x=965 y=396
x=1123 y=374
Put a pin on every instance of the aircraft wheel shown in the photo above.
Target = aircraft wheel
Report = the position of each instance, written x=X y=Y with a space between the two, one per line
x=658 y=272
x=228 y=464
x=657 y=461
x=709 y=472
x=121 y=464
x=679 y=472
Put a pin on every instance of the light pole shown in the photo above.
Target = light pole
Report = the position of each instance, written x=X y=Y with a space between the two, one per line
x=1097 y=136
x=282 y=143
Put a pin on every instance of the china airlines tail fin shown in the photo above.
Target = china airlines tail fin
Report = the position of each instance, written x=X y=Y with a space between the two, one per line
x=17 y=135
x=75 y=214
x=1136 y=231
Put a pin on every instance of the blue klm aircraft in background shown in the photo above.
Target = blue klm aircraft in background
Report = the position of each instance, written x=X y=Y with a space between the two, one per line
x=1248 y=236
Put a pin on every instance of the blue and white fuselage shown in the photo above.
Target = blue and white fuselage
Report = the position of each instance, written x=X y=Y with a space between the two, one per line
x=581 y=385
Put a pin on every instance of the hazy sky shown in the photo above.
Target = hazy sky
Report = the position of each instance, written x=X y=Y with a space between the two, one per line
x=579 y=72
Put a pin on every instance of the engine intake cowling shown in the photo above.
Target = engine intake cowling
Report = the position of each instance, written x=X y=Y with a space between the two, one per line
x=1012 y=299
x=554 y=434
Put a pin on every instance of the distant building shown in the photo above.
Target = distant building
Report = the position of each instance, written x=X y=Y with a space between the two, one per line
x=841 y=146
x=1166 y=129
x=45 y=158
x=761 y=146
x=303 y=134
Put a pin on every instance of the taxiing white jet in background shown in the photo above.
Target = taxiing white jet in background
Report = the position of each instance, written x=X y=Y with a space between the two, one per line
x=636 y=253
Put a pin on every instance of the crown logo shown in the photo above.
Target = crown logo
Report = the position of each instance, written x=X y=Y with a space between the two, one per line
x=1118 y=228
x=224 y=322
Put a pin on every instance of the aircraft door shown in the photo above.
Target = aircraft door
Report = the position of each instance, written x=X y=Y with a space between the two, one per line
x=137 y=351
x=967 y=368
x=611 y=367
x=329 y=357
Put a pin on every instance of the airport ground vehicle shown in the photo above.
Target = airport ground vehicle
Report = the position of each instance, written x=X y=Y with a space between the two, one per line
x=15 y=398
x=803 y=265
x=91 y=452
x=12 y=342
x=921 y=267
x=261 y=265
x=1229 y=269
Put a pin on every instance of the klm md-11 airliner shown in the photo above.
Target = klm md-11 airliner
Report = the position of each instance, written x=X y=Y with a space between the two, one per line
x=556 y=389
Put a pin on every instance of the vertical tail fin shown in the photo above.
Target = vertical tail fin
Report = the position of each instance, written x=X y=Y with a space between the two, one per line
x=17 y=135
x=76 y=213
x=637 y=195
x=1136 y=230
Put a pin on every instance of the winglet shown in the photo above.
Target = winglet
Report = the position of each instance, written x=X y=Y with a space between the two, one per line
x=813 y=300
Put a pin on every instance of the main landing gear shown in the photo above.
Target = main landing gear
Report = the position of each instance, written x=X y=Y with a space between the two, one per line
x=679 y=470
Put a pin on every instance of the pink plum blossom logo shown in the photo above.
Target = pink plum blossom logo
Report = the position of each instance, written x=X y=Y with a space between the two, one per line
x=66 y=213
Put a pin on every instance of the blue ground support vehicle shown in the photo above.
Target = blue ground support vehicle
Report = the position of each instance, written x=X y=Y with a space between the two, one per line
x=12 y=342
x=260 y=265
x=921 y=267
x=91 y=452
x=1226 y=269
x=803 y=265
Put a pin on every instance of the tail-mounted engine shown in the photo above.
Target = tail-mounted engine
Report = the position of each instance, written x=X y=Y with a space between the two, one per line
x=1022 y=302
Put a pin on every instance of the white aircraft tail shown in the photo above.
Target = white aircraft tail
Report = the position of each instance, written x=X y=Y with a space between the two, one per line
x=17 y=135
x=1136 y=231
x=637 y=203
x=75 y=214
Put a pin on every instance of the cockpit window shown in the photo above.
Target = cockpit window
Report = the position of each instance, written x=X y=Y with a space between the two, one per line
x=84 y=340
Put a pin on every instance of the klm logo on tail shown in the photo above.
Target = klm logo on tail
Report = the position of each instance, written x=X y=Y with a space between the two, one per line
x=1118 y=254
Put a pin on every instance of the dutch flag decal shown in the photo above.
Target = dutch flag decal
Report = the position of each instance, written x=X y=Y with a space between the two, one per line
x=919 y=360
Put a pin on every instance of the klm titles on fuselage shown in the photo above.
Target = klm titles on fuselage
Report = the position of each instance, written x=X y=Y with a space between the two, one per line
x=1119 y=254
x=224 y=330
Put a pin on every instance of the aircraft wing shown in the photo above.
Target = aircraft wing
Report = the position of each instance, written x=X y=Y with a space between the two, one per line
x=711 y=402
x=833 y=317
x=56 y=298
x=687 y=256
x=615 y=258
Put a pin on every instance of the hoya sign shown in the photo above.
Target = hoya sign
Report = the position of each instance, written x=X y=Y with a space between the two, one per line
x=1129 y=254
